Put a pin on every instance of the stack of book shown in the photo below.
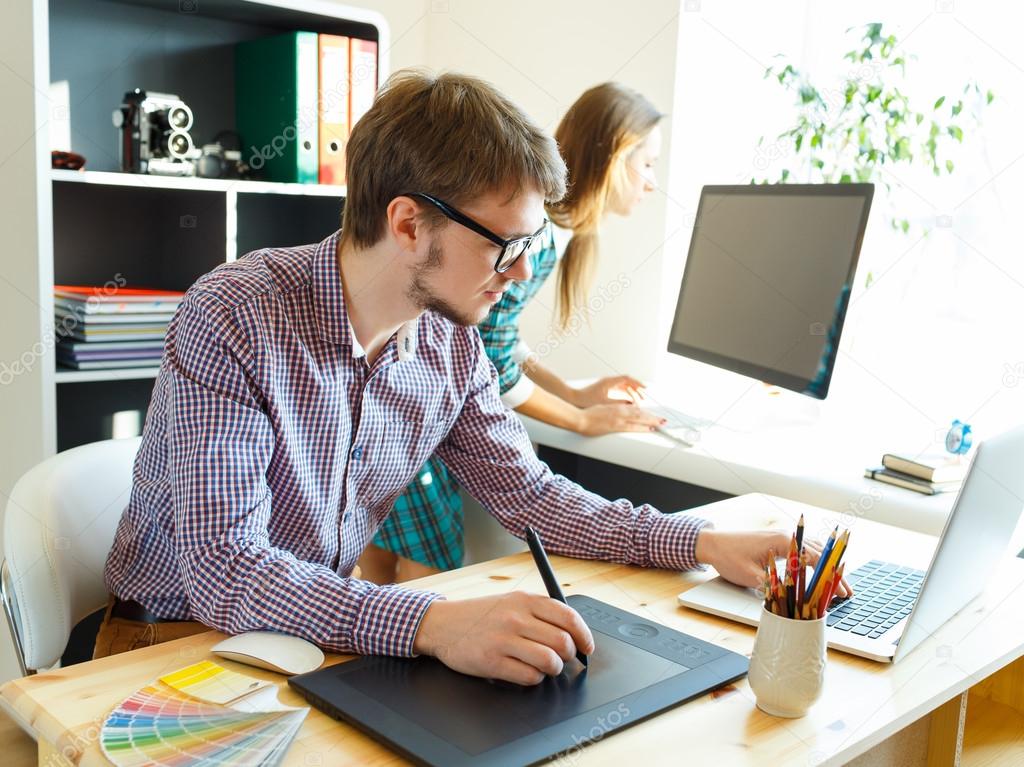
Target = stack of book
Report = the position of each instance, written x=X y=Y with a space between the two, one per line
x=106 y=327
x=931 y=473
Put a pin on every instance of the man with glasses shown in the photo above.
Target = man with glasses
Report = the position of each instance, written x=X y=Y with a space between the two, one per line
x=302 y=388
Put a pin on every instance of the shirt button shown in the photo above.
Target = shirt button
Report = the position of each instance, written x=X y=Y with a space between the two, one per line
x=357 y=452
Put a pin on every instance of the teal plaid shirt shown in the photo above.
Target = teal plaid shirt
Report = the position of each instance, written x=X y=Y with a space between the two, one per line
x=426 y=524
x=500 y=331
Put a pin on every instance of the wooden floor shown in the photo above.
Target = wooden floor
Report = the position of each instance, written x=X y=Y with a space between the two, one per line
x=18 y=748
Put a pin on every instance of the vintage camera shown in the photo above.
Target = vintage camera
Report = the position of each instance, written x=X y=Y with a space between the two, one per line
x=216 y=161
x=155 y=134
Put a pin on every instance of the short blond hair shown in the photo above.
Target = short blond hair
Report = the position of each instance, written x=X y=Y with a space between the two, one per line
x=449 y=135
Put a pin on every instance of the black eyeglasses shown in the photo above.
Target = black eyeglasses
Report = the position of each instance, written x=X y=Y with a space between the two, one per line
x=511 y=250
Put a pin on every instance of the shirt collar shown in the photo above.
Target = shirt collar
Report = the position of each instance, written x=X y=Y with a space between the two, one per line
x=329 y=304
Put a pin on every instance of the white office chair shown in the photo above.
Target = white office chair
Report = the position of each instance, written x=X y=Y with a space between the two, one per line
x=58 y=529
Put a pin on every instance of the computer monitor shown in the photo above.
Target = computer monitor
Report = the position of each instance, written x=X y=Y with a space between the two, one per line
x=767 y=280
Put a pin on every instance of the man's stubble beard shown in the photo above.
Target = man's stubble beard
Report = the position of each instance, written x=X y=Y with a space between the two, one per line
x=424 y=298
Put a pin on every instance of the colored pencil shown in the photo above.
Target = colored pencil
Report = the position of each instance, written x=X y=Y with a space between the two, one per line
x=830 y=594
x=801 y=576
x=790 y=594
x=824 y=583
x=822 y=561
x=828 y=583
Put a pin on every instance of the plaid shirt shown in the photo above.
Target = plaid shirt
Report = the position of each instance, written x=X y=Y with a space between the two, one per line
x=272 y=451
x=426 y=525
x=500 y=330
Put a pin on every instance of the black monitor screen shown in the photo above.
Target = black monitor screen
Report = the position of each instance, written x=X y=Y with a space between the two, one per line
x=768 y=278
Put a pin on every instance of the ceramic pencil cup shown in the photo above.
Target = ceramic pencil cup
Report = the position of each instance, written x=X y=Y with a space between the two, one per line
x=787 y=666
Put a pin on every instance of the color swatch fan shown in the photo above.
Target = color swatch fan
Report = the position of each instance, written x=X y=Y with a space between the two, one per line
x=163 y=724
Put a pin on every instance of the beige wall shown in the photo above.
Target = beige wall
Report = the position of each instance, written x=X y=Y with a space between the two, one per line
x=543 y=55
x=407 y=20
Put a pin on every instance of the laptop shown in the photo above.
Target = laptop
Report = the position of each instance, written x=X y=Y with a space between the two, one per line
x=894 y=607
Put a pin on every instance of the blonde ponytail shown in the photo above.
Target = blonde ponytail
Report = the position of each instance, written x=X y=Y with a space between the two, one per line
x=595 y=137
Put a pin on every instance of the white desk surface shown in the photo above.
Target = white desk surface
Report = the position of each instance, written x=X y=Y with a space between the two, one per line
x=812 y=460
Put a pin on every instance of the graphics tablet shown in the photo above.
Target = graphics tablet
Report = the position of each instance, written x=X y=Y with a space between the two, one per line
x=435 y=716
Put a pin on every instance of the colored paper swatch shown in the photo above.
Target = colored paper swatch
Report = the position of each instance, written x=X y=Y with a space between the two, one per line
x=162 y=724
x=212 y=683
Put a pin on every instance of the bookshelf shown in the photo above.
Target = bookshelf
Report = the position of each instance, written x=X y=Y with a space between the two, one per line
x=119 y=374
x=86 y=227
x=141 y=181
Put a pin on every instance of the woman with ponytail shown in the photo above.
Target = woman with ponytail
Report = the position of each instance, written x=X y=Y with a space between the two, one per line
x=609 y=140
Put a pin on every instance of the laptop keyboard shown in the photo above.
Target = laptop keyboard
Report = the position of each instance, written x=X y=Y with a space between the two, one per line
x=884 y=594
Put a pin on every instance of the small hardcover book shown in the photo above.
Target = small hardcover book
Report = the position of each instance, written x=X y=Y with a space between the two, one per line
x=88 y=299
x=890 y=477
x=931 y=467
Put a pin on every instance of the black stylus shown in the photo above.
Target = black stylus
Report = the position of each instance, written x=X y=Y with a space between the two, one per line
x=548 y=575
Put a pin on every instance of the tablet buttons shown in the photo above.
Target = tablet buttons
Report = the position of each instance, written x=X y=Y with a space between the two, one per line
x=638 y=630
x=598 y=616
x=687 y=650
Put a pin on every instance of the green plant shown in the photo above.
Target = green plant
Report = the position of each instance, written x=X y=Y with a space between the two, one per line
x=848 y=133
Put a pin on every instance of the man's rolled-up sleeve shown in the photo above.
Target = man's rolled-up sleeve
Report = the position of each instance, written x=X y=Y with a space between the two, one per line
x=490 y=453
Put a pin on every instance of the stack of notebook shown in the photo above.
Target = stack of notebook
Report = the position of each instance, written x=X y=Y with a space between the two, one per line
x=930 y=473
x=108 y=327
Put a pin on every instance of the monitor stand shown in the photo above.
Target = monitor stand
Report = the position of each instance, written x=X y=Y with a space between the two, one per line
x=766 y=407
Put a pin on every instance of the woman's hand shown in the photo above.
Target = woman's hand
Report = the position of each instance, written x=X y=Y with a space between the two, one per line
x=606 y=419
x=609 y=391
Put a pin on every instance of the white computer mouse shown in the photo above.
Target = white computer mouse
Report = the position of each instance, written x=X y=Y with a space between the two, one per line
x=282 y=653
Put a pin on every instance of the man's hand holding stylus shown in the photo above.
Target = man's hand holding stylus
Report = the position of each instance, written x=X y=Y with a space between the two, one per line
x=516 y=637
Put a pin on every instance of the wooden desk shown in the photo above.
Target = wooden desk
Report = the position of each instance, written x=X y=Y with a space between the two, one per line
x=864 y=704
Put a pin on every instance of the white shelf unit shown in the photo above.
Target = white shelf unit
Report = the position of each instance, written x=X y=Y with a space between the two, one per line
x=84 y=226
x=140 y=181
x=119 y=374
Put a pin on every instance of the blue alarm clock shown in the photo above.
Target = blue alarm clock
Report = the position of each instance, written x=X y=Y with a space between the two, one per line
x=958 y=438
